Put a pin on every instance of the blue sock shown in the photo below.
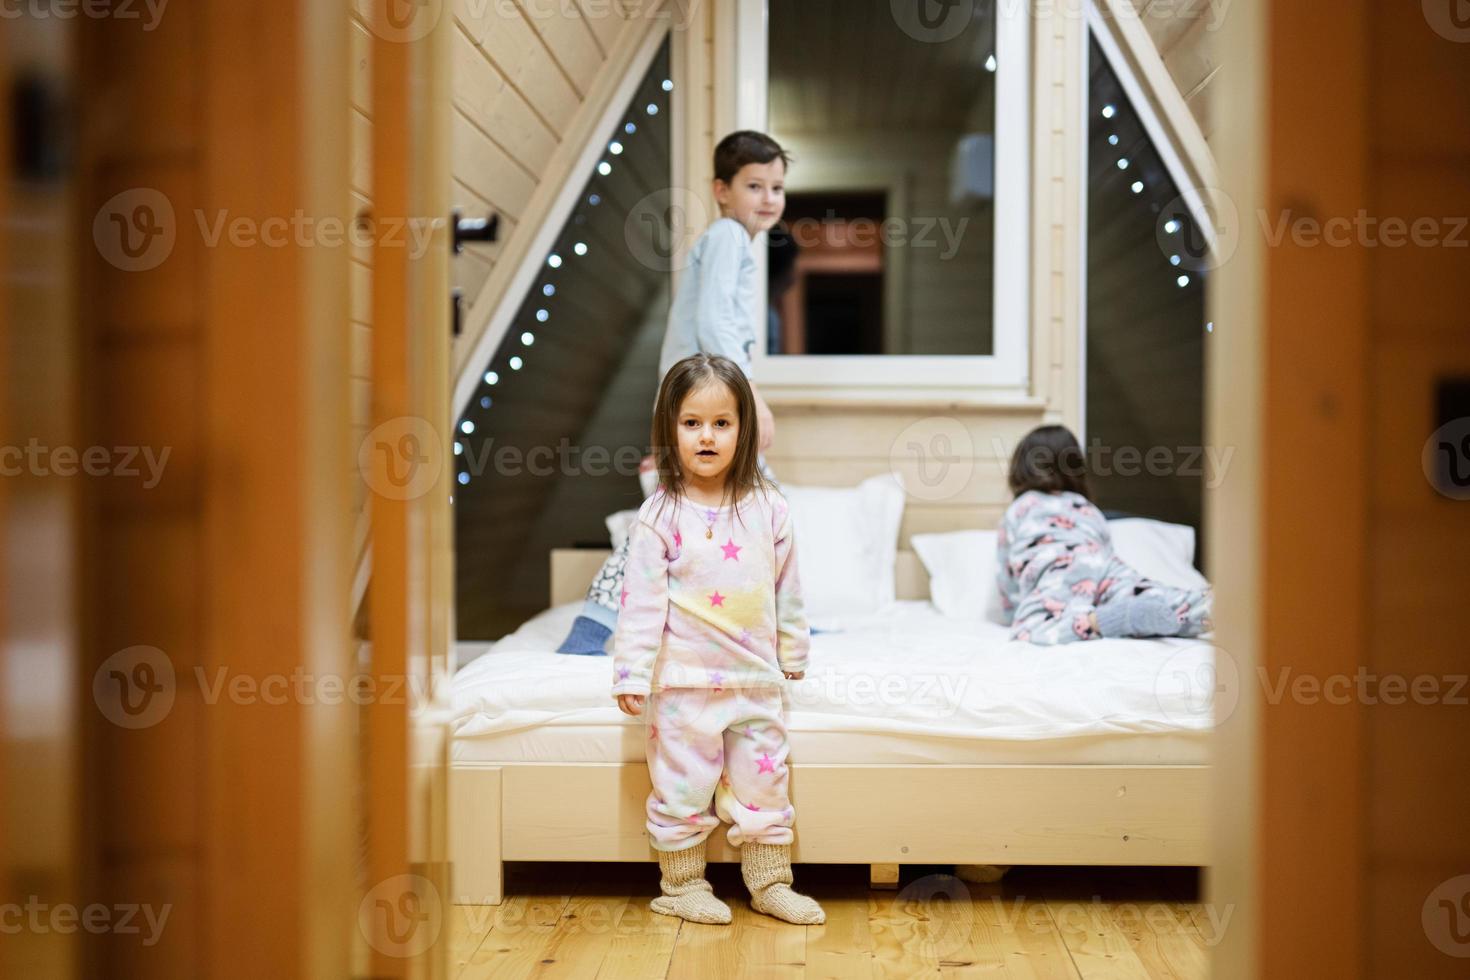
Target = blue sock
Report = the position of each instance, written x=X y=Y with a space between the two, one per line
x=1144 y=614
x=586 y=639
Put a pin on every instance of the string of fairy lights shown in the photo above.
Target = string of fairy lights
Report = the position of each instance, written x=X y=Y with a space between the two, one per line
x=555 y=262
x=1171 y=227
x=579 y=249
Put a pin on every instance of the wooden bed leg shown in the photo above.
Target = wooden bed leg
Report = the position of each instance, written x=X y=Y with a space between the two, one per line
x=477 y=873
x=882 y=876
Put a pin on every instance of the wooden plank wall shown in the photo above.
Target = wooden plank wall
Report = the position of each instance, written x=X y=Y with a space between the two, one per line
x=148 y=785
x=43 y=613
x=231 y=357
x=570 y=369
x=1341 y=830
x=360 y=341
x=1417 y=132
x=518 y=79
x=521 y=75
x=531 y=81
x=1186 y=34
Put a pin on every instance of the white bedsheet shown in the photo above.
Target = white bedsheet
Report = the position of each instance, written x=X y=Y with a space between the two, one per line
x=907 y=670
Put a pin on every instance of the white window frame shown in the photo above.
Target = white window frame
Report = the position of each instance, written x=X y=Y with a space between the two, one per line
x=1002 y=376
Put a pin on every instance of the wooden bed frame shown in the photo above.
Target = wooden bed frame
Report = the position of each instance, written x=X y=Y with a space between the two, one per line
x=880 y=815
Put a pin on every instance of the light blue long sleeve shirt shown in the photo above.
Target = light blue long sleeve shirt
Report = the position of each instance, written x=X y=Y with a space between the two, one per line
x=713 y=310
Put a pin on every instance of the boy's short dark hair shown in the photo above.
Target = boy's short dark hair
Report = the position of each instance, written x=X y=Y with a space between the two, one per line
x=746 y=146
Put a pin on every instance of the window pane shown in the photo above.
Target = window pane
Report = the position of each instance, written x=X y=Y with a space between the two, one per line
x=550 y=443
x=888 y=244
x=1145 y=318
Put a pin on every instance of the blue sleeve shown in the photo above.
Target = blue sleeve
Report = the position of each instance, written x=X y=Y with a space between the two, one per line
x=717 y=328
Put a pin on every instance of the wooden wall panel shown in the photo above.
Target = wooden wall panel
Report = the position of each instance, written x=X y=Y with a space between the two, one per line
x=216 y=811
x=1187 y=35
x=46 y=827
x=360 y=272
x=520 y=56
x=1417 y=101
x=1341 y=824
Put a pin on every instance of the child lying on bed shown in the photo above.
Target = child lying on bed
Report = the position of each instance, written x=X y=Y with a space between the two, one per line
x=708 y=633
x=1059 y=580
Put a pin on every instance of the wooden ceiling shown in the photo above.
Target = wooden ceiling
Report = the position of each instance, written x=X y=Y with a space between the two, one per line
x=843 y=65
x=1184 y=32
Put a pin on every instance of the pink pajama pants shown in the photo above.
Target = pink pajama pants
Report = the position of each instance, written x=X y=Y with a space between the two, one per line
x=725 y=746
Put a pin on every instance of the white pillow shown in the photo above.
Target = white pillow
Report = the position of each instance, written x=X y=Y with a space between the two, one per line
x=847 y=547
x=1159 y=550
x=962 y=569
x=618 y=525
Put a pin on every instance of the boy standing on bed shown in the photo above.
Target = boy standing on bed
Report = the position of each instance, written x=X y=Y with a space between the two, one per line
x=713 y=313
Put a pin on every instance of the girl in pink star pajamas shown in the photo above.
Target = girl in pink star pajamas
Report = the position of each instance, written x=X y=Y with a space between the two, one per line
x=711 y=626
x=1058 y=578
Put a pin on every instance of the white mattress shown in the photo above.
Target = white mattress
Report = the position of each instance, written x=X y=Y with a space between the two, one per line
x=906 y=686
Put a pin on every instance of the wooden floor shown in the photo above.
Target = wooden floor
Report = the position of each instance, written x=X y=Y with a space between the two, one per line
x=589 y=921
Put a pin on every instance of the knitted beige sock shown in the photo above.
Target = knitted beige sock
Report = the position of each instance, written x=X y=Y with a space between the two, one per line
x=685 y=892
x=766 y=869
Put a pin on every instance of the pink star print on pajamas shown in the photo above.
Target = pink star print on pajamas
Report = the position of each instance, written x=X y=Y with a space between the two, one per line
x=709 y=606
x=767 y=764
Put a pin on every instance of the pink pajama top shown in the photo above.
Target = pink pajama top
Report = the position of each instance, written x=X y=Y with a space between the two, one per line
x=710 y=600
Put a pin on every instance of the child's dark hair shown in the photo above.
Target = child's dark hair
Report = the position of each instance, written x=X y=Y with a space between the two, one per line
x=691 y=374
x=746 y=146
x=1049 y=459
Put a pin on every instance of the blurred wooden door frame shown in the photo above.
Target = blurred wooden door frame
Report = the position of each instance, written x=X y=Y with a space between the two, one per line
x=40 y=515
x=411 y=592
x=1287 y=389
x=242 y=111
x=277 y=856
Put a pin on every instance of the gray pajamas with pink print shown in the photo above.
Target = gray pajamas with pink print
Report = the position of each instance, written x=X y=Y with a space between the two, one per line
x=1056 y=570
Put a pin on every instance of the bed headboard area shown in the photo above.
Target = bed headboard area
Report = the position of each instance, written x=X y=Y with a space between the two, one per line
x=573 y=569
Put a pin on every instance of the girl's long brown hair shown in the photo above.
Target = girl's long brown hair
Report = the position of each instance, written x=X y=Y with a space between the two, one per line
x=696 y=371
x=1050 y=460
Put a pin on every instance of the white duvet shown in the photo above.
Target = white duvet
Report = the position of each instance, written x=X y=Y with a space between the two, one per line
x=908 y=669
